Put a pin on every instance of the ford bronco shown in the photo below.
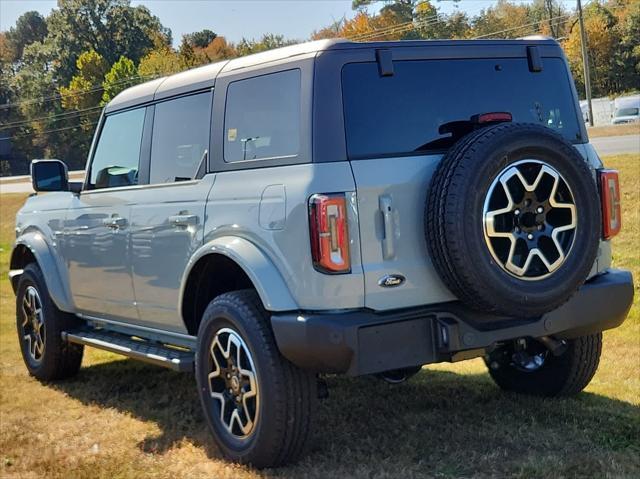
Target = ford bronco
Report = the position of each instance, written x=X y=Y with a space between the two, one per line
x=326 y=208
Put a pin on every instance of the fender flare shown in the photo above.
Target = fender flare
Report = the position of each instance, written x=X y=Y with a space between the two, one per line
x=264 y=275
x=48 y=262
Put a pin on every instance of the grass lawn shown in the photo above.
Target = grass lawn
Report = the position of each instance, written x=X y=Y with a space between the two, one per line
x=614 y=130
x=119 y=418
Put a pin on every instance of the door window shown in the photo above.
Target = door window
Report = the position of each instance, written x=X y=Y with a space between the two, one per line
x=180 y=138
x=117 y=156
x=262 y=118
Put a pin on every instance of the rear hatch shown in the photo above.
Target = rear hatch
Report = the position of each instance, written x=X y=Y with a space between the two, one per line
x=396 y=135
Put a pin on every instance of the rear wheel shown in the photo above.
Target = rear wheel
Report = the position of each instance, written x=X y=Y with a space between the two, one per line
x=526 y=366
x=257 y=404
x=39 y=325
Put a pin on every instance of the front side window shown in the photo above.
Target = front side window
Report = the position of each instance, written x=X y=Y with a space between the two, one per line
x=117 y=156
x=262 y=117
x=180 y=138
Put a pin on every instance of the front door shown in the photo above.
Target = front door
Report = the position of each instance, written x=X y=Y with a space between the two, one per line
x=96 y=230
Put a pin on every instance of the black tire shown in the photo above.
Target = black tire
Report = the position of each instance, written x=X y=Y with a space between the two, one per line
x=286 y=393
x=58 y=359
x=454 y=220
x=564 y=375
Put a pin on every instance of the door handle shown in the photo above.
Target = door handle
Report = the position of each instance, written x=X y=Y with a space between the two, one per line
x=388 y=245
x=115 y=222
x=183 y=219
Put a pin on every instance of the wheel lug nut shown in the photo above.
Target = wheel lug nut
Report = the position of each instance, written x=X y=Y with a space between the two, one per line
x=530 y=236
x=540 y=209
x=516 y=212
x=540 y=227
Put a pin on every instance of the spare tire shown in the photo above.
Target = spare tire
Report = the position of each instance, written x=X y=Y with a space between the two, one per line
x=513 y=220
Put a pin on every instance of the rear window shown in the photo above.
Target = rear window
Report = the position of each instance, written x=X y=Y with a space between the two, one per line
x=405 y=113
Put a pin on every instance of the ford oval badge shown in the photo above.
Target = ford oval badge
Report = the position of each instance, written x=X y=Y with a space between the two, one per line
x=391 y=280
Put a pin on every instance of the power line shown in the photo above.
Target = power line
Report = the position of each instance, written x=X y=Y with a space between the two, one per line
x=522 y=26
x=83 y=92
x=56 y=117
x=400 y=28
x=45 y=132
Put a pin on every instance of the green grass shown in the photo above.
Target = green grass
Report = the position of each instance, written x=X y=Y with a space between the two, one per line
x=119 y=418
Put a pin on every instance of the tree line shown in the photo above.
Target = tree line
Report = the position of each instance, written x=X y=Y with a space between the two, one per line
x=57 y=72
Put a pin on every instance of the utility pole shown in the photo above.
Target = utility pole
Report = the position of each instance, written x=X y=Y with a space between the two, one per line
x=585 y=63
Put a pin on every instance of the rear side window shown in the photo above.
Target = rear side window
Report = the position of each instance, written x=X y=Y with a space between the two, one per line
x=180 y=138
x=405 y=113
x=117 y=156
x=262 y=117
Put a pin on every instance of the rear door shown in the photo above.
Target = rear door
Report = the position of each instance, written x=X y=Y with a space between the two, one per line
x=394 y=141
x=167 y=216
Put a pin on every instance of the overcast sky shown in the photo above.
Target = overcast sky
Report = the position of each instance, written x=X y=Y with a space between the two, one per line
x=295 y=19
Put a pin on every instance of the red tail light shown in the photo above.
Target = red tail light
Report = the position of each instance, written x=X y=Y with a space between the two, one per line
x=329 y=233
x=610 y=197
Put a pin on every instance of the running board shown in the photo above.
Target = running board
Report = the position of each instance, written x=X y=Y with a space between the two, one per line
x=178 y=359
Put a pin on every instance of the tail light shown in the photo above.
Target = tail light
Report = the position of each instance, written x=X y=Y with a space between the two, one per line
x=329 y=233
x=610 y=197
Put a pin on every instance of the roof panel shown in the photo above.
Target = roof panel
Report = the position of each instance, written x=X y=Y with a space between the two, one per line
x=134 y=95
x=190 y=80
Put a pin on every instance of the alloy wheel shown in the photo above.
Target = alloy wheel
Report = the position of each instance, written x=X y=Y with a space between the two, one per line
x=33 y=331
x=233 y=383
x=530 y=219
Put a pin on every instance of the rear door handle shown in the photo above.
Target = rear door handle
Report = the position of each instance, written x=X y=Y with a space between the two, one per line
x=115 y=222
x=183 y=219
x=388 y=244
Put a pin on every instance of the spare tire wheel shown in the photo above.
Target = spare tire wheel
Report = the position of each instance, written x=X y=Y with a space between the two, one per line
x=513 y=220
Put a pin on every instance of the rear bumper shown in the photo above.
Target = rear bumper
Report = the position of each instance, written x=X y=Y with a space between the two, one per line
x=366 y=342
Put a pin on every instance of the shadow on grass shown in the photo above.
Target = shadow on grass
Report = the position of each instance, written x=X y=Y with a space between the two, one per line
x=443 y=422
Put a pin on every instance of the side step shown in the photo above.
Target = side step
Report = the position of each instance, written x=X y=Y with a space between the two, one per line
x=175 y=358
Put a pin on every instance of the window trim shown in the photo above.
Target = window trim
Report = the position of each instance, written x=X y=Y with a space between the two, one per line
x=226 y=102
x=216 y=153
x=199 y=175
x=87 y=186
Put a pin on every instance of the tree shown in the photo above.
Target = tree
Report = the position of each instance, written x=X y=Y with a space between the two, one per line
x=30 y=27
x=122 y=75
x=219 y=49
x=84 y=89
x=503 y=20
x=627 y=57
x=112 y=28
x=602 y=43
x=200 y=39
x=267 y=42
x=159 y=62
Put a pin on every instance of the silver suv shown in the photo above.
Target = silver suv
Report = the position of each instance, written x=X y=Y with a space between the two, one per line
x=330 y=207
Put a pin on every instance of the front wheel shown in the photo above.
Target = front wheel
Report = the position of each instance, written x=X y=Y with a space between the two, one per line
x=39 y=326
x=527 y=367
x=257 y=404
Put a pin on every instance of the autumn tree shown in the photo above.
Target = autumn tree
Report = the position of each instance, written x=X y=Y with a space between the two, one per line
x=84 y=90
x=121 y=76
x=161 y=61
x=200 y=39
x=602 y=42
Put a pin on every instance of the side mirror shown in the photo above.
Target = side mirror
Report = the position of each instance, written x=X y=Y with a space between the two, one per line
x=49 y=175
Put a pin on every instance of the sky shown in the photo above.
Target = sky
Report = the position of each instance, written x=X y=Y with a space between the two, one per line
x=235 y=19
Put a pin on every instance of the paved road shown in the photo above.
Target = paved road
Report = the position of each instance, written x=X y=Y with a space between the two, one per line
x=616 y=145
